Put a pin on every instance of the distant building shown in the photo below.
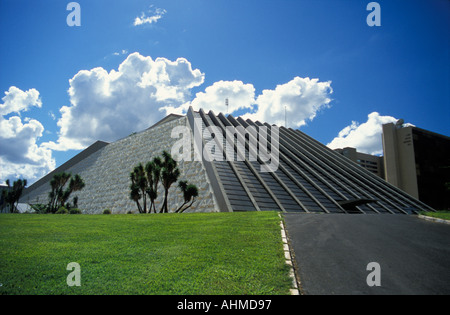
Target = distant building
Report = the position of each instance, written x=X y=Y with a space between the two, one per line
x=418 y=162
x=371 y=163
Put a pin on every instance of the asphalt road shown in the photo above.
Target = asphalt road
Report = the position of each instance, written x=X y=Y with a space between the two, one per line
x=332 y=252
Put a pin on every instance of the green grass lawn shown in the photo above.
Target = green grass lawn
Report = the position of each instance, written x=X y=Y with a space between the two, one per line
x=211 y=253
x=439 y=214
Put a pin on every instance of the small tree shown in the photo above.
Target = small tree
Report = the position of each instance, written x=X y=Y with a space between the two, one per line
x=153 y=171
x=57 y=184
x=14 y=193
x=58 y=195
x=145 y=181
x=141 y=182
x=190 y=191
x=169 y=175
x=135 y=193
x=75 y=184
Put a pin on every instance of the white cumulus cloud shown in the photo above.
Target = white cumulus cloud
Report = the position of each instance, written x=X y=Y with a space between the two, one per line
x=111 y=105
x=300 y=99
x=16 y=100
x=238 y=94
x=365 y=137
x=20 y=155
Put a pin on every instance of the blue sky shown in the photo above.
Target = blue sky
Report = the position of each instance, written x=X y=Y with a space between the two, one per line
x=262 y=54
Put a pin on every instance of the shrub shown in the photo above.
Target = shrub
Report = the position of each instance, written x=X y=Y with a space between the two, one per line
x=106 y=211
x=75 y=211
x=62 y=210
x=39 y=208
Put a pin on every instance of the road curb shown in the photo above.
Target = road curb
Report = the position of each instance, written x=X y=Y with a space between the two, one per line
x=289 y=259
x=424 y=217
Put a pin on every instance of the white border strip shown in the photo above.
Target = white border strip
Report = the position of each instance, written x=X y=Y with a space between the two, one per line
x=287 y=255
x=433 y=219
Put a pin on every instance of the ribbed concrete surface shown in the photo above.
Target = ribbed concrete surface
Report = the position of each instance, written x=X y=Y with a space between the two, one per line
x=106 y=174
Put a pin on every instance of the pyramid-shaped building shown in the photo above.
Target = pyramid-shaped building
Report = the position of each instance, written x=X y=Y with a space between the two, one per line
x=237 y=165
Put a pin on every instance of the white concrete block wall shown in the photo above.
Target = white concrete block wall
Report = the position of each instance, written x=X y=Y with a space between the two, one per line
x=106 y=174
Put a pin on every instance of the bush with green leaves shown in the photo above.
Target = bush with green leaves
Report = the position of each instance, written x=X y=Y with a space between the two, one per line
x=106 y=211
x=62 y=210
x=39 y=208
x=74 y=211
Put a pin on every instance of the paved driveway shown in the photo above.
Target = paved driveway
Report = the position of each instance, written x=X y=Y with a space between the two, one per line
x=332 y=252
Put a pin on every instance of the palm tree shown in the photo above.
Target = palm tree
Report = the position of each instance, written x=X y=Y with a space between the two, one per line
x=76 y=184
x=169 y=175
x=152 y=194
x=190 y=191
x=57 y=195
x=141 y=181
x=156 y=174
x=135 y=193
x=153 y=172
x=14 y=193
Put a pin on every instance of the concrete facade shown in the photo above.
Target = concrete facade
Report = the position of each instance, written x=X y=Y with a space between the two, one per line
x=308 y=177
x=399 y=162
x=106 y=174
x=418 y=162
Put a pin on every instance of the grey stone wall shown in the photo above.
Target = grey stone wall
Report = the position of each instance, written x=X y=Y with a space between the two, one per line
x=106 y=174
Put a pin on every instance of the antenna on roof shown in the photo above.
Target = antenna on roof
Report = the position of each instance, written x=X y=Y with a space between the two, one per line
x=226 y=104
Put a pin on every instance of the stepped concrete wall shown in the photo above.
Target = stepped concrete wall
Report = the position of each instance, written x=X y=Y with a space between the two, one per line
x=106 y=174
